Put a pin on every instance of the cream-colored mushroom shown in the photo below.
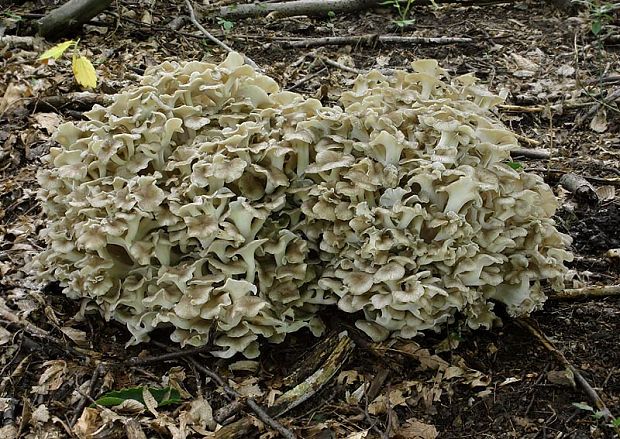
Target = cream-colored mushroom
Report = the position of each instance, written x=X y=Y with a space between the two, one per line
x=208 y=201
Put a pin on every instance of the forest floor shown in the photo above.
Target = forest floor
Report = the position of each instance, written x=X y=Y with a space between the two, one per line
x=502 y=383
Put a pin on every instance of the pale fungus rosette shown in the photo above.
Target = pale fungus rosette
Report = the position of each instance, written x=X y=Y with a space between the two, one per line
x=209 y=201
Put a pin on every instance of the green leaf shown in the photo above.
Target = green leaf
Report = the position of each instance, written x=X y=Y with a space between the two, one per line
x=163 y=396
x=615 y=422
x=57 y=51
x=583 y=406
x=597 y=26
x=597 y=415
x=226 y=25
x=515 y=165
x=331 y=14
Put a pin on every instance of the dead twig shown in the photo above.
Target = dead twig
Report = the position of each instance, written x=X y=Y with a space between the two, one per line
x=373 y=39
x=521 y=108
x=611 y=97
x=389 y=409
x=564 y=105
x=216 y=41
x=227 y=411
x=260 y=413
x=91 y=390
x=340 y=66
x=229 y=392
x=377 y=384
x=307 y=78
x=604 y=80
x=579 y=379
x=527 y=140
x=586 y=292
x=12 y=322
x=138 y=361
x=369 y=419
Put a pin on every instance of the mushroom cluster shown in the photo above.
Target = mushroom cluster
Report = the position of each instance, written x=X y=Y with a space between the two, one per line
x=208 y=200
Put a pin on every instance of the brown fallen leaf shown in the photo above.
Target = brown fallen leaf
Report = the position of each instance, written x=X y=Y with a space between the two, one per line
x=358 y=434
x=149 y=401
x=52 y=378
x=134 y=430
x=9 y=431
x=77 y=336
x=414 y=429
x=87 y=424
x=40 y=414
x=5 y=335
x=13 y=94
x=561 y=377
x=47 y=121
x=606 y=193
x=200 y=415
x=599 y=121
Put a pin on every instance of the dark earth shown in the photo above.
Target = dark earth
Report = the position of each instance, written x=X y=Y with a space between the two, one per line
x=557 y=73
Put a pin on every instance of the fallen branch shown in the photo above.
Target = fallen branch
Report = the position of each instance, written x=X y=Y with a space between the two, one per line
x=564 y=105
x=311 y=385
x=299 y=7
x=557 y=173
x=314 y=359
x=581 y=188
x=586 y=292
x=541 y=154
x=83 y=100
x=20 y=42
x=218 y=42
x=604 y=80
x=521 y=108
x=373 y=39
x=323 y=7
x=579 y=379
x=70 y=16
x=527 y=140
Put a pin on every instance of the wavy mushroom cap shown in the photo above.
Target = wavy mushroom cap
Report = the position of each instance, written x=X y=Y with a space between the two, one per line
x=208 y=201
